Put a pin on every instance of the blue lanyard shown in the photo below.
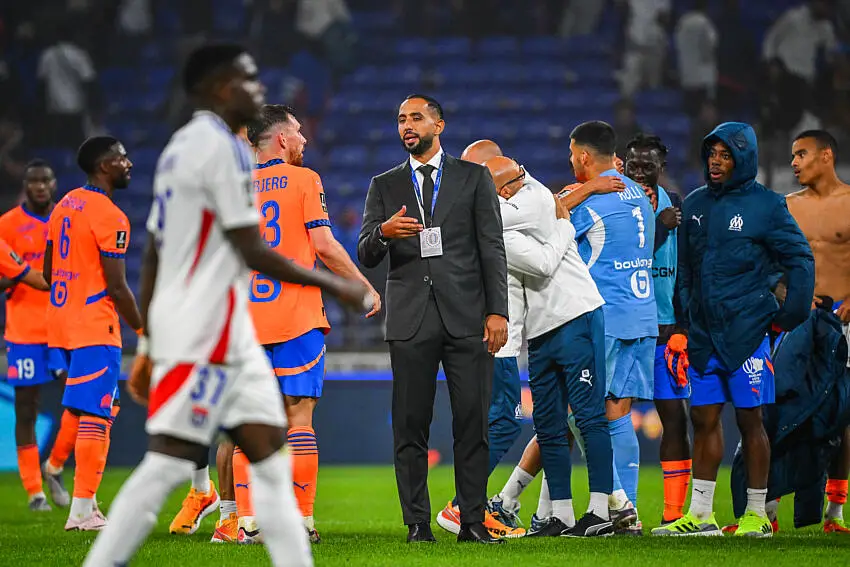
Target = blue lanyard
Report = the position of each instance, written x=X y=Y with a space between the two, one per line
x=436 y=189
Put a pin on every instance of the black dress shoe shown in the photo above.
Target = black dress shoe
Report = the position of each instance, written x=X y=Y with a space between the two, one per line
x=420 y=533
x=476 y=533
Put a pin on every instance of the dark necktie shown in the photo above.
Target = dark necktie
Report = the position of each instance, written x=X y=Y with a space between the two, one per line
x=427 y=191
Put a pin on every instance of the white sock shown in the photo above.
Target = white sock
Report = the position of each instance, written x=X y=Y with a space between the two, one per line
x=201 y=479
x=133 y=513
x=50 y=469
x=598 y=505
x=226 y=508
x=544 y=503
x=834 y=511
x=702 y=498
x=563 y=510
x=81 y=508
x=277 y=512
x=618 y=499
x=309 y=523
x=756 y=498
x=516 y=484
x=35 y=496
x=772 y=509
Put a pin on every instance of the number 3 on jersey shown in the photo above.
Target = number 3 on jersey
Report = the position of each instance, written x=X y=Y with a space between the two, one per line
x=271 y=231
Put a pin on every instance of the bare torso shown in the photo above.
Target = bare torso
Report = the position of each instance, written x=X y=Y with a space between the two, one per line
x=826 y=223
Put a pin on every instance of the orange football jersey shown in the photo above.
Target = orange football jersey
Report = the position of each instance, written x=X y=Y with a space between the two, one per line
x=26 y=308
x=83 y=227
x=291 y=202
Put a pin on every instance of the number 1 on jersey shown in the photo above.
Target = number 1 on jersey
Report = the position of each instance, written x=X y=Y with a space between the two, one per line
x=636 y=212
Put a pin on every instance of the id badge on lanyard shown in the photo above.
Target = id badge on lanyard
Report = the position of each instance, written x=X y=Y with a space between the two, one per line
x=431 y=238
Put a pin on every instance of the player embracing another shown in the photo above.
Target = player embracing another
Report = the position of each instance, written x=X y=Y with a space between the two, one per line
x=735 y=232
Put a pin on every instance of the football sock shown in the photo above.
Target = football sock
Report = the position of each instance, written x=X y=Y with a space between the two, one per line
x=624 y=442
x=133 y=513
x=772 y=509
x=109 y=422
x=242 y=484
x=90 y=456
x=677 y=475
x=702 y=498
x=563 y=510
x=836 y=495
x=277 y=513
x=66 y=438
x=598 y=505
x=201 y=479
x=544 y=503
x=226 y=508
x=618 y=498
x=517 y=482
x=756 y=499
x=29 y=468
x=305 y=466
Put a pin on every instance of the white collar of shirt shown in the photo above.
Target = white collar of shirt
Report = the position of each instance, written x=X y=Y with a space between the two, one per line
x=434 y=161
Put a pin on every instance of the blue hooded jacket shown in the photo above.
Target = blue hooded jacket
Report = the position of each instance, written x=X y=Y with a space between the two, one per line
x=732 y=238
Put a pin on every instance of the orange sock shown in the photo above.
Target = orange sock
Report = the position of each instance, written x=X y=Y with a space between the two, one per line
x=242 y=484
x=677 y=474
x=30 y=468
x=836 y=491
x=65 y=440
x=90 y=454
x=115 y=410
x=305 y=466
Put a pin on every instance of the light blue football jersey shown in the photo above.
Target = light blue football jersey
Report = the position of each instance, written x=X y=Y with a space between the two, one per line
x=664 y=268
x=616 y=234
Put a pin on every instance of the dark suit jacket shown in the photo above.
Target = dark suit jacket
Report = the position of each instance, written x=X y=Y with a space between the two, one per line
x=469 y=279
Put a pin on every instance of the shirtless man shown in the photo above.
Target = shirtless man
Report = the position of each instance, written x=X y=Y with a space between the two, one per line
x=822 y=209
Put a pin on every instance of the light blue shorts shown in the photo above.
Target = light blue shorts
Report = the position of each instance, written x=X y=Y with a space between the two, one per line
x=629 y=367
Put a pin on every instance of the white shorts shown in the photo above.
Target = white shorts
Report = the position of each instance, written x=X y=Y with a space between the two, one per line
x=193 y=402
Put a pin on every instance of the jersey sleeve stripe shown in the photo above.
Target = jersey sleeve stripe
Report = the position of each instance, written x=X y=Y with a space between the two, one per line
x=96 y=297
x=206 y=225
x=118 y=255
x=317 y=223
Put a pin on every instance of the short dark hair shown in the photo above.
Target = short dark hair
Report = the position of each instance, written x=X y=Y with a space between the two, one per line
x=271 y=115
x=646 y=142
x=206 y=60
x=596 y=134
x=37 y=162
x=823 y=138
x=432 y=103
x=93 y=150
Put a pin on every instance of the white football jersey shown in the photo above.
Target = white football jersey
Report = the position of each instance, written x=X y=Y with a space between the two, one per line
x=203 y=187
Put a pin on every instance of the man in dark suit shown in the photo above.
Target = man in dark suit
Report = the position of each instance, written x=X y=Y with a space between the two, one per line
x=447 y=281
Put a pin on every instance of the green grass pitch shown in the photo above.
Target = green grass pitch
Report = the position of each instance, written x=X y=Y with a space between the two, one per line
x=359 y=520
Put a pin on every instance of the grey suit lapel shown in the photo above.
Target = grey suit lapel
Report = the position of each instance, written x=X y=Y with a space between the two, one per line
x=452 y=183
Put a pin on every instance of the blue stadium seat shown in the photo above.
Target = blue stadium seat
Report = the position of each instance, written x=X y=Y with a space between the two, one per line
x=544 y=48
x=348 y=157
x=490 y=48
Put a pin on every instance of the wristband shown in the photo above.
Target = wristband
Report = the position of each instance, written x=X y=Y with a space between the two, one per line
x=142 y=346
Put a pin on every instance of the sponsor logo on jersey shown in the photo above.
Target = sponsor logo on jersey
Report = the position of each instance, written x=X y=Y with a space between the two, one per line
x=586 y=377
x=633 y=264
x=121 y=239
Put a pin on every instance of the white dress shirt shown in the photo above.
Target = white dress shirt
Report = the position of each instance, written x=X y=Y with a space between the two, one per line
x=415 y=164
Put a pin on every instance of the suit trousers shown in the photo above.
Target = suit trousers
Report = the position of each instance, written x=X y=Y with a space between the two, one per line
x=469 y=372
